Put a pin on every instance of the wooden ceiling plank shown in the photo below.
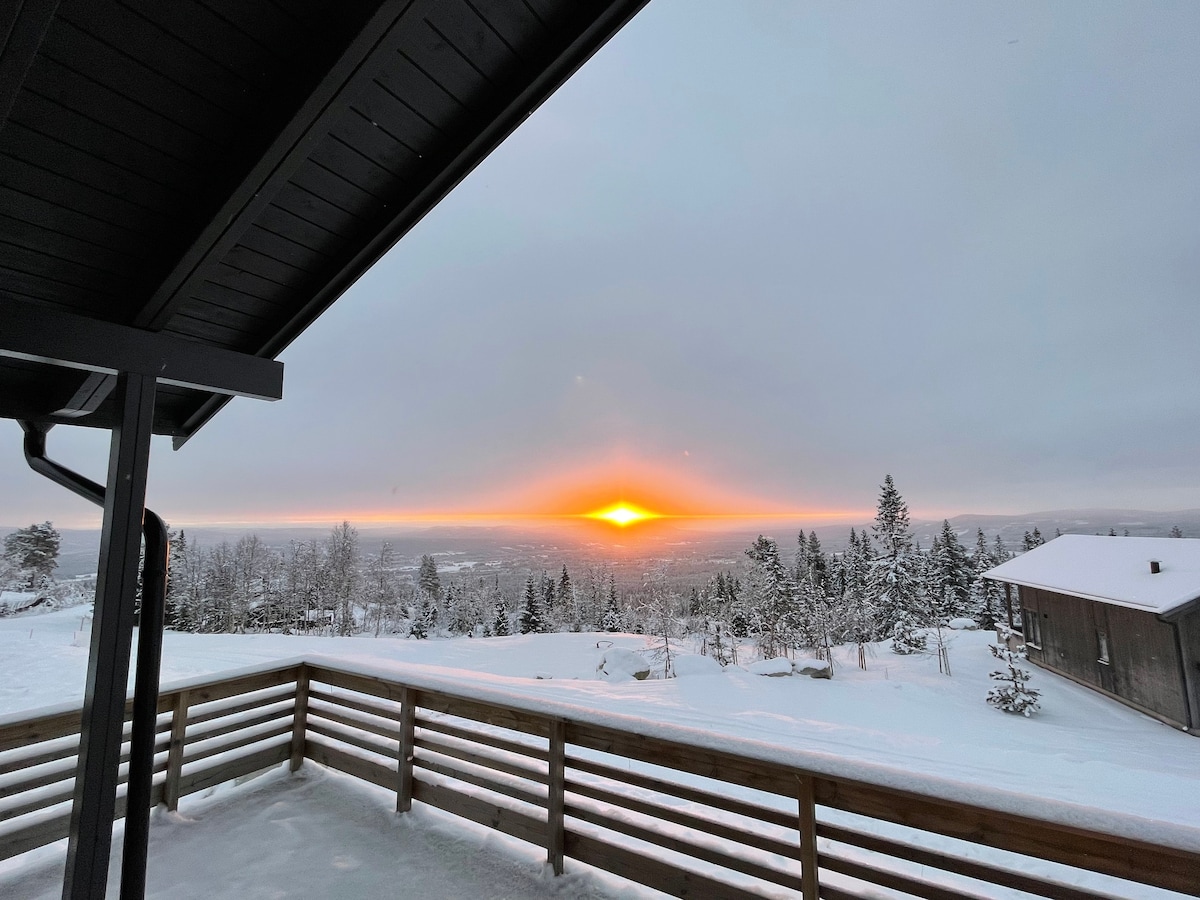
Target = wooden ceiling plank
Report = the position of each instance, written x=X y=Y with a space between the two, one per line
x=317 y=210
x=282 y=220
x=18 y=229
x=57 y=188
x=276 y=271
x=23 y=27
x=38 y=149
x=207 y=33
x=283 y=246
x=376 y=142
x=119 y=26
x=273 y=165
x=349 y=164
x=80 y=130
x=70 y=89
x=212 y=292
x=514 y=23
x=184 y=108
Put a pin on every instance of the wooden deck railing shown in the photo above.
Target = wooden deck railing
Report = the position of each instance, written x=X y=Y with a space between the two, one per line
x=683 y=819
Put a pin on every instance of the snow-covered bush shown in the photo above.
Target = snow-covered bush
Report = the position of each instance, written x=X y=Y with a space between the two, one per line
x=907 y=638
x=1013 y=694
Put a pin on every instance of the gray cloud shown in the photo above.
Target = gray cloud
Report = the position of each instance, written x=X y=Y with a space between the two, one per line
x=808 y=243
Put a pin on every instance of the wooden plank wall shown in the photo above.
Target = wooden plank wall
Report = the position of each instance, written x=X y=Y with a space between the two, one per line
x=686 y=820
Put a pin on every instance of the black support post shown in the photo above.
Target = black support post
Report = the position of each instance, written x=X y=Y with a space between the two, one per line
x=112 y=637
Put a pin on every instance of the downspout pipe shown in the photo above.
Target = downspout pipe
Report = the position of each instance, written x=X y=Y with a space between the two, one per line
x=149 y=659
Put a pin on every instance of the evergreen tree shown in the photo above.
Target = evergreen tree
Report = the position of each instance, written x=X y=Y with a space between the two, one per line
x=950 y=584
x=1176 y=532
x=771 y=599
x=894 y=583
x=31 y=556
x=1013 y=694
x=500 y=627
x=566 y=598
x=612 y=620
x=985 y=593
x=427 y=578
x=531 y=620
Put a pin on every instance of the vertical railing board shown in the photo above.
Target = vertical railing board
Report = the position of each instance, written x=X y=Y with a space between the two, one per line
x=175 y=752
x=557 y=797
x=404 y=773
x=299 y=719
x=808 y=838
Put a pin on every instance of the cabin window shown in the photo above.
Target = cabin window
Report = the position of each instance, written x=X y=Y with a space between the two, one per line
x=1033 y=628
x=1102 y=646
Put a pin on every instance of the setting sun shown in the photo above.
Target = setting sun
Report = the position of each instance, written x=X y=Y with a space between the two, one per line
x=623 y=514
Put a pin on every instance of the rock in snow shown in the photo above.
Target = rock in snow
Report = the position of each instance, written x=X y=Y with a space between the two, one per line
x=774 y=668
x=813 y=668
x=617 y=662
x=963 y=624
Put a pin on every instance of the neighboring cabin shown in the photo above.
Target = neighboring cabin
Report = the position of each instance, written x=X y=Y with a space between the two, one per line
x=1118 y=614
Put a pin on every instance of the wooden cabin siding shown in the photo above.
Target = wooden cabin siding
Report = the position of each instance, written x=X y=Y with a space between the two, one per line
x=1189 y=641
x=1144 y=668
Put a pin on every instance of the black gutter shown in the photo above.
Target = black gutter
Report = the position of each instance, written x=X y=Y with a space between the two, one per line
x=149 y=659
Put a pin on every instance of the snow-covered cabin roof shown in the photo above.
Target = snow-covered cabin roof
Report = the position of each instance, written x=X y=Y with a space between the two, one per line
x=1111 y=569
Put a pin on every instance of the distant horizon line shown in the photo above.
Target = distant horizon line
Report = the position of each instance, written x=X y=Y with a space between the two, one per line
x=482 y=520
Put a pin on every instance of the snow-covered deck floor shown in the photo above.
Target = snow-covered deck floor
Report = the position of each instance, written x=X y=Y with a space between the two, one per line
x=321 y=834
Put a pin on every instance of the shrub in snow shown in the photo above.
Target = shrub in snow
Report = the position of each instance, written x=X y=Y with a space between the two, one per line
x=1013 y=694
x=963 y=624
x=907 y=638
x=774 y=668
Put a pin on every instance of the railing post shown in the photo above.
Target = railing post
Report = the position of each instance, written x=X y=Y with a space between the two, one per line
x=404 y=771
x=179 y=714
x=299 y=719
x=809 y=878
x=555 y=837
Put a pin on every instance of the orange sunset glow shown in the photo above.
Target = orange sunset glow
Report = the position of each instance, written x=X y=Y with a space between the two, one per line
x=622 y=495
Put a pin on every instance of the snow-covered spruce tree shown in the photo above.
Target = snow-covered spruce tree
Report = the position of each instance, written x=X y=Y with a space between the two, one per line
x=894 y=585
x=531 y=620
x=499 y=626
x=427 y=578
x=612 y=620
x=1013 y=693
x=770 y=599
x=858 y=613
x=985 y=594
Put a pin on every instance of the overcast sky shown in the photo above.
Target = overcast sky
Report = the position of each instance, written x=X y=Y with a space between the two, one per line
x=763 y=254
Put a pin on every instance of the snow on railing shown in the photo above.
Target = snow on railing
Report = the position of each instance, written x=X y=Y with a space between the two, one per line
x=673 y=808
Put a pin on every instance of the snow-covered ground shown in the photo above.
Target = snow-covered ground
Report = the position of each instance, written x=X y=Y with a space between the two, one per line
x=900 y=719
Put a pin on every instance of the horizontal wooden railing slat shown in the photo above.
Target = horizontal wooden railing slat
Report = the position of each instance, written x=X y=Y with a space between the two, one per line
x=354 y=703
x=369 y=726
x=753 y=811
x=687 y=848
x=508 y=790
x=479 y=737
x=317 y=726
x=649 y=871
x=960 y=865
x=480 y=759
x=377 y=728
x=508 y=821
x=335 y=758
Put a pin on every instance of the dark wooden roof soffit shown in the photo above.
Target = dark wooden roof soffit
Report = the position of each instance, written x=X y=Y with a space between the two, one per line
x=219 y=171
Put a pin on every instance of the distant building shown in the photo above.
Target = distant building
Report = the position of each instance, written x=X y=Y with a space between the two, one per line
x=1118 y=614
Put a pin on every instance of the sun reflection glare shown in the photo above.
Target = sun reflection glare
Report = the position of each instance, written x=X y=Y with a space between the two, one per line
x=623 y=514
